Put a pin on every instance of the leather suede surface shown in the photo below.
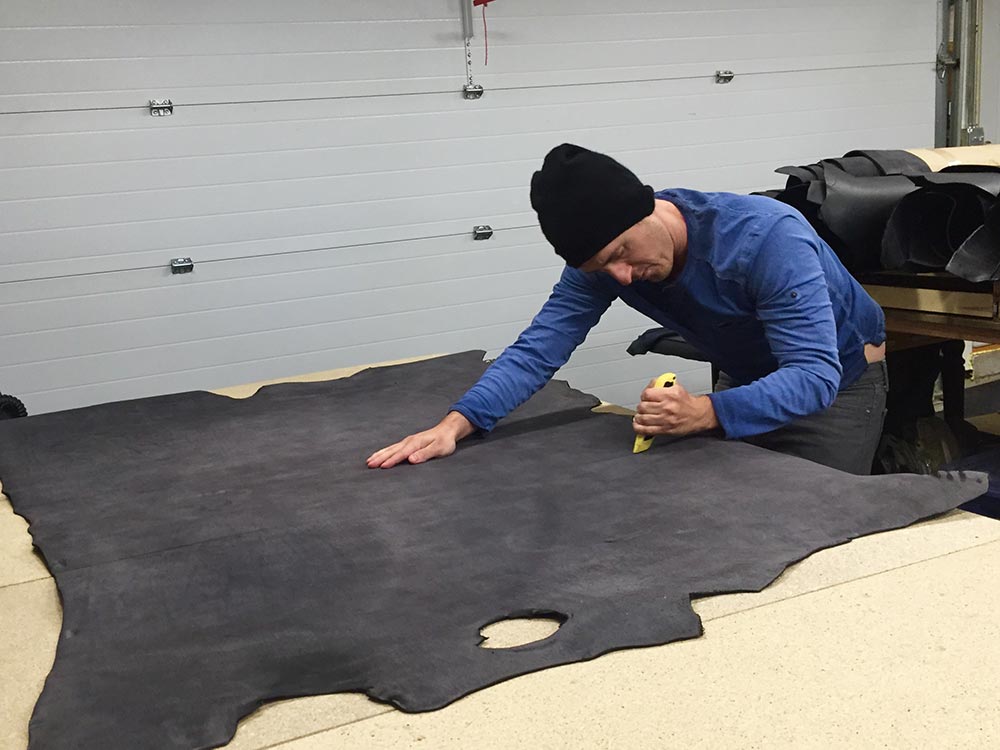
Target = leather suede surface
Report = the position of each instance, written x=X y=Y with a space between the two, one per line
x=212 y=554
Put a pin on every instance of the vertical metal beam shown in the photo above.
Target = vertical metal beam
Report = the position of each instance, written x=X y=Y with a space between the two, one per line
x=943 y=79
x=471 y=90
x=965 y=82
x=960 y=90
x=468 y=28
x=976 y=84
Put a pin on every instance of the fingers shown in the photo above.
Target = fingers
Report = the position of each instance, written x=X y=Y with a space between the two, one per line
x=667 y=393
x=380 y=455
x=648 y=407
x=416 y=449
x=396 y=453
x=434 y=449
x=418 y=457
x=645 y=429
x=388 y=457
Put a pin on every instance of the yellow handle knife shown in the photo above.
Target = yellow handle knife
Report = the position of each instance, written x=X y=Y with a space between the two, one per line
x=642 y=442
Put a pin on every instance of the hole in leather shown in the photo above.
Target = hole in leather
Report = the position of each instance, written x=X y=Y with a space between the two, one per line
x=514 y=631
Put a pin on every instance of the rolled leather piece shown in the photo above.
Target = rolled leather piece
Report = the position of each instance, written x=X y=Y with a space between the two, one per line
x=859 y=166
x=978 y=257
x=769 y=193
x=986 y=178
x=856 y=211
x=928 y=226
x=799 y=175
x=797 y=196
x=816 y=193
x=892 y=161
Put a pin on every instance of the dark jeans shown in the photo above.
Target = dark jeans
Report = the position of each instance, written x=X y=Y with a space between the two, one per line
x=845 y=436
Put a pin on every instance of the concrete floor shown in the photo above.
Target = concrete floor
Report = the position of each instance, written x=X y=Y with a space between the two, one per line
x=891 y=641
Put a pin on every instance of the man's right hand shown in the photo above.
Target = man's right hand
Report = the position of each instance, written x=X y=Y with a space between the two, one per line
x=436 y=442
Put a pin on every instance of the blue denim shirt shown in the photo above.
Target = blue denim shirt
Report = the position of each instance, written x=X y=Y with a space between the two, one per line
x=760 y=293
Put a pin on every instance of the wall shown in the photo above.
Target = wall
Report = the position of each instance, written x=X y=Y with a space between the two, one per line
x=324 y=172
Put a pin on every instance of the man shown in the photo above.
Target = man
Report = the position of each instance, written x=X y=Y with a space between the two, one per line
x=743 y=278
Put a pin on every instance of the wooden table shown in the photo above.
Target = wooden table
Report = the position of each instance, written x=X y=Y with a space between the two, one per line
x=930 y=308
x=937 y=305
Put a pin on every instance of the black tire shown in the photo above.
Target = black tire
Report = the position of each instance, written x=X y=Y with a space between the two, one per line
x=11 y=408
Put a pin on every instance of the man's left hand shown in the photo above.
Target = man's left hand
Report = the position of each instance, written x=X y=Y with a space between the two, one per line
x=673 y=411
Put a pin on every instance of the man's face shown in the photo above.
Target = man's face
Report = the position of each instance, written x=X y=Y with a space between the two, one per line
x=643 y=252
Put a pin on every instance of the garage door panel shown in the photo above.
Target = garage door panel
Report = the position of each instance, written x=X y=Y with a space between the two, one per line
x=66 y=138
x=519 y=291
x=372 y=239
x=255 y=367
x=134 y=234
x=201 y=40
x=329 y=216
x=560 y=24
x=337 y=292
x=577 y=44
x=273 y=160
x=344 y=334
x=564 y=9
x=61 y=13
x=105 y=54
x=130 y=79
x=244 y=95
x=507 y=247
x=815 y=49
x=359 y=307
x=842 y=85
x=585 y=75
x=409 y=217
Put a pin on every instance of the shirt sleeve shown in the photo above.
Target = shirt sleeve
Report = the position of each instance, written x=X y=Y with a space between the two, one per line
x=575 y=306
x=787 y=285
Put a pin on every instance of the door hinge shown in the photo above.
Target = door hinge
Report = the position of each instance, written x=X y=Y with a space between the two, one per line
x=161 y=107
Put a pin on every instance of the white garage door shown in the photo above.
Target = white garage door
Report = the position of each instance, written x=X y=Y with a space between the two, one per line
x=324 y=173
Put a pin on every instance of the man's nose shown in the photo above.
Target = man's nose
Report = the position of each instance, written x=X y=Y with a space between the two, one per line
x=622 y=273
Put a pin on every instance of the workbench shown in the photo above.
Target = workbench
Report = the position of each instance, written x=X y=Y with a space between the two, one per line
x=937 y=305
x=890 y=641
x=927 y=308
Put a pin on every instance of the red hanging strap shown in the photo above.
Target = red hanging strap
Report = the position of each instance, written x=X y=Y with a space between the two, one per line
x=486 y=36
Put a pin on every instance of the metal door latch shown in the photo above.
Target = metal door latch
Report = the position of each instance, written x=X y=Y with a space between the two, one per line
x=482 y=232
x=724 y=76
x=161 y=107
x=944 y=62
x=181 y=265
x=975 y=135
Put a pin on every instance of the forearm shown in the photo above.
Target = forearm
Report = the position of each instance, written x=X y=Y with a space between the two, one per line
x=573 y=308
x=774 y=401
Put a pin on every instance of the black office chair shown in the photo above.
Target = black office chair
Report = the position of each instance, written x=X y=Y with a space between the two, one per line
x=670 y=343
x=11 y=408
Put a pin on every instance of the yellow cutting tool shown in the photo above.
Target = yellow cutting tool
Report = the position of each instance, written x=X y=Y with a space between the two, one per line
x=642 y=442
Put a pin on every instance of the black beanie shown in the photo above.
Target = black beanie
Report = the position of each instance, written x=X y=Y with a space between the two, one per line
x=584 y=200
